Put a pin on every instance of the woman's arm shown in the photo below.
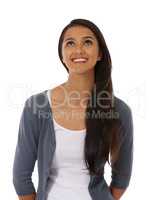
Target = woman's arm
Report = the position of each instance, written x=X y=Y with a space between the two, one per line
x=26 y=154
x=117 y=192
x=28 y=197
x=122 y=167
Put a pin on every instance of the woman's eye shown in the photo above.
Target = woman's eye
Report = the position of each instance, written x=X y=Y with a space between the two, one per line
x=88 y=42
x=70 y=43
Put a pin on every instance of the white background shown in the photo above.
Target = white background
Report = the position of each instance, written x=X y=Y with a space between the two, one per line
x=29 y=63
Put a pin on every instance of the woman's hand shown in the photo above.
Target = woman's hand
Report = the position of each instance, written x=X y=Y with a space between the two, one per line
x=116 y=192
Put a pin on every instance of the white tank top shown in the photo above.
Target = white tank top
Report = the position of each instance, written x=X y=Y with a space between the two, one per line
x=68 y=177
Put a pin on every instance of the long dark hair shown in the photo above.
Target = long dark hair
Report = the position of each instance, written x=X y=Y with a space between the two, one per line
x=102 y=131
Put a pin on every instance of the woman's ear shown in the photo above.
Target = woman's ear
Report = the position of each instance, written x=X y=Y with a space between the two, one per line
x=99 y=56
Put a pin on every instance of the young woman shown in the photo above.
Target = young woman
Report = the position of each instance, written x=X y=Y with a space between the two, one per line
x=72 y=130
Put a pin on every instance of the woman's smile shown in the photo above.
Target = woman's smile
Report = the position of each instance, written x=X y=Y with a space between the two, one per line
x=80 y=47
x=79 y=60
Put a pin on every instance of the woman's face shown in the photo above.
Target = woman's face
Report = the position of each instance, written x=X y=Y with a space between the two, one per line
x=80 y=50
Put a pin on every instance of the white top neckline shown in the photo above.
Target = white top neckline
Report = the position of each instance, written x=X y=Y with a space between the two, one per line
x=60 y=126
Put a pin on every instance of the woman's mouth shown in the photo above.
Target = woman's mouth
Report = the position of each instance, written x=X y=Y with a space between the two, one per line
x=79 y=60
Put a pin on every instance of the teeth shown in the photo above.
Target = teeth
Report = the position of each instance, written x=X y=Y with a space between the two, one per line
x=79 y=60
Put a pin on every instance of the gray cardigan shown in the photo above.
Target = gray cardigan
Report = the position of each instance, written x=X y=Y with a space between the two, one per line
x=36 y=142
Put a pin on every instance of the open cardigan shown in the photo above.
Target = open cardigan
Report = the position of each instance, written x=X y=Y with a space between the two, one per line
x=36 y=142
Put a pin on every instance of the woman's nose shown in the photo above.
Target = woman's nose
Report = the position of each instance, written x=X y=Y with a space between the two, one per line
x=79 y=48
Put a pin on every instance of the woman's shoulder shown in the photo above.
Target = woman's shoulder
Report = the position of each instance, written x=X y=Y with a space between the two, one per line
x=121 y=105
x=124 y=111
x=40 y=100
x=37 y=102
x=37 y=98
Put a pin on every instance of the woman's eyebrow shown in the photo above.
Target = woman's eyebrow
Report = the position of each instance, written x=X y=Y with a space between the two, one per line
x=85 y=37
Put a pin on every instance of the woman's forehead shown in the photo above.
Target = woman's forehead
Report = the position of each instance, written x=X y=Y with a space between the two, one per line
x=78 y=31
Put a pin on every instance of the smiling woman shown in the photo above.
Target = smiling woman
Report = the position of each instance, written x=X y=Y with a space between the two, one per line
x=80 y=48
x=72 y=151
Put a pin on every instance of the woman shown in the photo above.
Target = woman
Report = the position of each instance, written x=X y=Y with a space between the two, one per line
x=73 y=129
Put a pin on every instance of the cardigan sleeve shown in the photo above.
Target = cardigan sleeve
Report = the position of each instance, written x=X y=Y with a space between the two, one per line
x=122 y=168
x=26 y=152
